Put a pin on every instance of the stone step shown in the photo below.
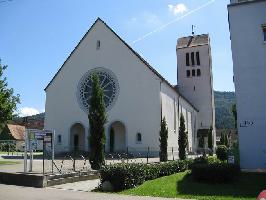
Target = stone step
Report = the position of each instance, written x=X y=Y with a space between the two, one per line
x=71 y=179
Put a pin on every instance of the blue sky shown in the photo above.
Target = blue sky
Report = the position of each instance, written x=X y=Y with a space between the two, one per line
x=37 y=36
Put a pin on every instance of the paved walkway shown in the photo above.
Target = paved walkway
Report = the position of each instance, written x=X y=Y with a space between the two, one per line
x=10 y=192
x=82 y=186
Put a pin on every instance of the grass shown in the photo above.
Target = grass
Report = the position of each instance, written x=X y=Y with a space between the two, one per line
x=7 y=162
x=181 y=185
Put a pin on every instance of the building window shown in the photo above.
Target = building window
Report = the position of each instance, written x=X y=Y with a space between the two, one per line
x=192 y=59
x=198 y=58
x=59 y=139
x=98 y=44
x=187 y=59
x=198 y=72
x=193 y=72
x=194 y=88
x=188 y=73
x=139 y=138
x=264 y=32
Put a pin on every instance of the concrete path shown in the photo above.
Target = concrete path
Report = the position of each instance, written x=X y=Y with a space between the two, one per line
x=82 y=186
x=10 y=192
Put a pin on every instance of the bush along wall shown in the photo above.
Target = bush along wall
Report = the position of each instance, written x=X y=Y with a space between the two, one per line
x=212 y=170
x=125 y=176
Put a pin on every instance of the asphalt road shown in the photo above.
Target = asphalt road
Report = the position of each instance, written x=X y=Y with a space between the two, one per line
x=11 y=192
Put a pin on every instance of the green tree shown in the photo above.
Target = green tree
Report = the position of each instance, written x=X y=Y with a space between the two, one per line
x=163 y=141
x=224 y=139
x=234 y=112
x=210 y=139
x=97 y=118
x=8 y=101
x=112 y=140
x=182 y=139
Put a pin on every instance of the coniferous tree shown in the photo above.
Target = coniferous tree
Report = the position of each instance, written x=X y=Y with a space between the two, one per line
x=8 y=102
x=234 y=112
x=163 y=141
x=210 y=139
x=97 y=118
x=226 y=142
x=182 y=139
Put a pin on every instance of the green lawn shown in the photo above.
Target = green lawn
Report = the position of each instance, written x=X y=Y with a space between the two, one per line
x=7 y=162
x=181 y=185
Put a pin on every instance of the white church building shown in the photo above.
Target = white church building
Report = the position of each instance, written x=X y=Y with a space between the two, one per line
x=136 y=96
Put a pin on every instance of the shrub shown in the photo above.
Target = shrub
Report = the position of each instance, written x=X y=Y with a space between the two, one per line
x=163 y=141
x=215 y=172
x=125 y=176
x=221 y=152
x=9 y=147
x=97 y=119
x=182 y=139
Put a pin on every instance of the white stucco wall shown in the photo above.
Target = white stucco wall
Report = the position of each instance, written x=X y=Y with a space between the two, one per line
x=249 y=59
x=138 y=105
x=173 y=101
x=202 y=96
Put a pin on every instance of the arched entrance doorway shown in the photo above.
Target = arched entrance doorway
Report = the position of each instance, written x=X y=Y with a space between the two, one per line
x=117 y=137
x=77 y=137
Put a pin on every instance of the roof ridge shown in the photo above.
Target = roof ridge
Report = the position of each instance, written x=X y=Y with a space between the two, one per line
x=130 y=48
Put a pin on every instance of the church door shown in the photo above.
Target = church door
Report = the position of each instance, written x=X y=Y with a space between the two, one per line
x=76 y=142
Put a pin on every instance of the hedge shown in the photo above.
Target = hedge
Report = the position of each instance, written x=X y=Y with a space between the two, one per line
x=216 y=172
x=125 y=176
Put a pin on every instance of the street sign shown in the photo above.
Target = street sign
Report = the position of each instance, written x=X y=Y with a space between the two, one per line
x=231 y=159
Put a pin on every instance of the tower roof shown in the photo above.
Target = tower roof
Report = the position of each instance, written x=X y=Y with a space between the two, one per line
x=192 y=41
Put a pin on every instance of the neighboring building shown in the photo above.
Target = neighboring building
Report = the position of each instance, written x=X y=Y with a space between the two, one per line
x=248 y=40
x=136 y=96
x=195 y=79
x=15 y=134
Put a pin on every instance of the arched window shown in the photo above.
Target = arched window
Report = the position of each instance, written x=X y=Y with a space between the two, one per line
x=59 y=139
x=139 y=138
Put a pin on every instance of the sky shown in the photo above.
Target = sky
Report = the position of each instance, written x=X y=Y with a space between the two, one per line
x=36 y=37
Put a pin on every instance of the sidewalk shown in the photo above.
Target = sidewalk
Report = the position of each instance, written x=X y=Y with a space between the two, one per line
x=10 y=192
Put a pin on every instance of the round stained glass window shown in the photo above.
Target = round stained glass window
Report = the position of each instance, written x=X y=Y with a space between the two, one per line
x=108 y=83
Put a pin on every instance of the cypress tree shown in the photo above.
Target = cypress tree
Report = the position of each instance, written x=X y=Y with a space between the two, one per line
x=182 y=139
x=163 y=141
x=97 y=118
x=210 y=139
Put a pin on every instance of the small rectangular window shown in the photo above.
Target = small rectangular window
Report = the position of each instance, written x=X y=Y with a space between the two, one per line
x=193 y=72
x=264 y=32
x=187 y=59
x=59 y=139
x=188 y=73
x=192 y=58
x=198 y=72
x=98 y=45
x=198 y=58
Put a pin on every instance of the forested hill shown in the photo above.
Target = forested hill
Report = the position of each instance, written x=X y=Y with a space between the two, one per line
x=223 y=106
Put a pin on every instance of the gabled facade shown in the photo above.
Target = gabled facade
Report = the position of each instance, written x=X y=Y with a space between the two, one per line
x=137 y=97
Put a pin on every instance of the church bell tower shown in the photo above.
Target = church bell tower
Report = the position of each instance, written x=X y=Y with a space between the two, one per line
x=194 y=79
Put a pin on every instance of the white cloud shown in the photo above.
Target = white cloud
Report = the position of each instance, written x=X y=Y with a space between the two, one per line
x=178 y=8
x=27 y=111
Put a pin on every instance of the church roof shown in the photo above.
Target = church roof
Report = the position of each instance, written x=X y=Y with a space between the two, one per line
x=192 y=41
x=142 y=59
